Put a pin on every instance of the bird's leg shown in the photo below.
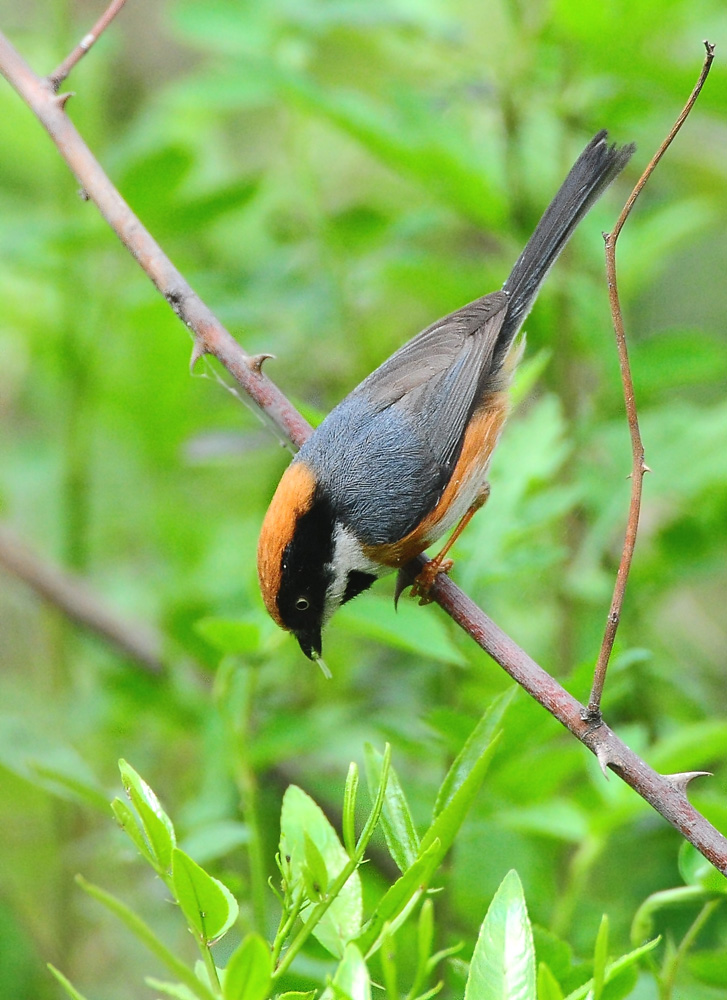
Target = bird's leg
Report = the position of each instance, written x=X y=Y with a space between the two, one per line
x=440 y=564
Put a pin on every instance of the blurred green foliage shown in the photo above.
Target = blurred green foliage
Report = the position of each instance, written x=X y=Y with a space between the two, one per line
x=331 y=177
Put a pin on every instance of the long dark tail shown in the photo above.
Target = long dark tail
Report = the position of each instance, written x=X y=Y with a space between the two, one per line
x=590 y=175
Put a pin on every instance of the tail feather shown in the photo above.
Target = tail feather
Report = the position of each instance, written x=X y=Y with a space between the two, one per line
x=589 y=176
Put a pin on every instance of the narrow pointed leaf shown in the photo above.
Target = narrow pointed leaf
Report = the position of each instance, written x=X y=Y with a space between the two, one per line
x=450 y=819
x=600 y=958
x=66 y=984
x=349 y=810
x=157 y=825
x=503 y=963
x=399 y=895
x=208 y=905
x=396 y=819
x=477 y=742
x=614 y=969
x=548 y=985
x=128 y=822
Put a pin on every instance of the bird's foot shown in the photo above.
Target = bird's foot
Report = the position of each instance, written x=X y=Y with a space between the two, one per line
x=425 y=580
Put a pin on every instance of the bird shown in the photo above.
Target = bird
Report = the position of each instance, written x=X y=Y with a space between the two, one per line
x=403 y=458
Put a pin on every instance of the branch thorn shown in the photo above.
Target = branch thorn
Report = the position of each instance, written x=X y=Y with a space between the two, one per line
x=681 y=780
x=603 y=758
x=256 y=362
x=198 y=351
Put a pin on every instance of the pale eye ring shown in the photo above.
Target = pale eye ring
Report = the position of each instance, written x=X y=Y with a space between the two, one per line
x=302 y=604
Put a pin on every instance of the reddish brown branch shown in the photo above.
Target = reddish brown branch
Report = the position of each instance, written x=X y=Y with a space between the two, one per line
x=59 y=74
x=665 y=794
x=639 y=467
x=75 y=599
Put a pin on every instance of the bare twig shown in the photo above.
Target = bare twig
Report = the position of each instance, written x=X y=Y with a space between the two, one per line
x=75 y=599
x=210 y=336
x=664 y=793
x=59 y=74
x=639 y=466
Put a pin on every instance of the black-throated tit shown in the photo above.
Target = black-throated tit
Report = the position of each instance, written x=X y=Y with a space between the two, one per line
x=404 y=457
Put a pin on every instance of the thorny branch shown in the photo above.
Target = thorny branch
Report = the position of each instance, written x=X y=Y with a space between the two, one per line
x=639 y=467
x=666 y=793
x=59 y=74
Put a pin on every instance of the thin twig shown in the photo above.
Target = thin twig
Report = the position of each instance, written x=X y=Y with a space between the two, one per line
x=76 y=600
x=666 y=794
x=59 y=74
x=639 y=467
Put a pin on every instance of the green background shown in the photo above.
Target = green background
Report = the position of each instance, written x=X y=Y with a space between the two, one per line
x=331 y=177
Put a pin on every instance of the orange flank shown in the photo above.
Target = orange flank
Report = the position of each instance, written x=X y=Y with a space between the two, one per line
x=469 y=475
x=292 y=499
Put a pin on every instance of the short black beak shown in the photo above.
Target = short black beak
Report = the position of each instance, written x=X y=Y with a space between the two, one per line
x=310 y=643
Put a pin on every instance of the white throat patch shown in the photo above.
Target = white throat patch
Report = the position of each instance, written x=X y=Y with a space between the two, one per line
x=347 y=556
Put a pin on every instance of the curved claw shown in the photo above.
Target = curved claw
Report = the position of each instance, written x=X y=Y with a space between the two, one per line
x=425 y=580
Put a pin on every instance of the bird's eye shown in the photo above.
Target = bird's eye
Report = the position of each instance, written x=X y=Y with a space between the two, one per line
x=302 y=604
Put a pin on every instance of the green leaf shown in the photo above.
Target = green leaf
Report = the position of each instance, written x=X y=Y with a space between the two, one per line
x=396 y=819
x=148 y=938
x=247 y=976
x=425 y=936
x=296 y=995
x=66 y=984
x=697 y=871
x=128 y=822
x=388 y=962
x=622 y=984
x=503 y=963
x=178 y=990
x=300 y=816
x=374 y=816
x=548 y=985
x=315 y=872
x=157 y=825
x=615 y=969
x=351 y=978
x=600 y=958
x=397 y=899
x=208 y=905
x=476 y=744
x=445 y=826
x=349 y=809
